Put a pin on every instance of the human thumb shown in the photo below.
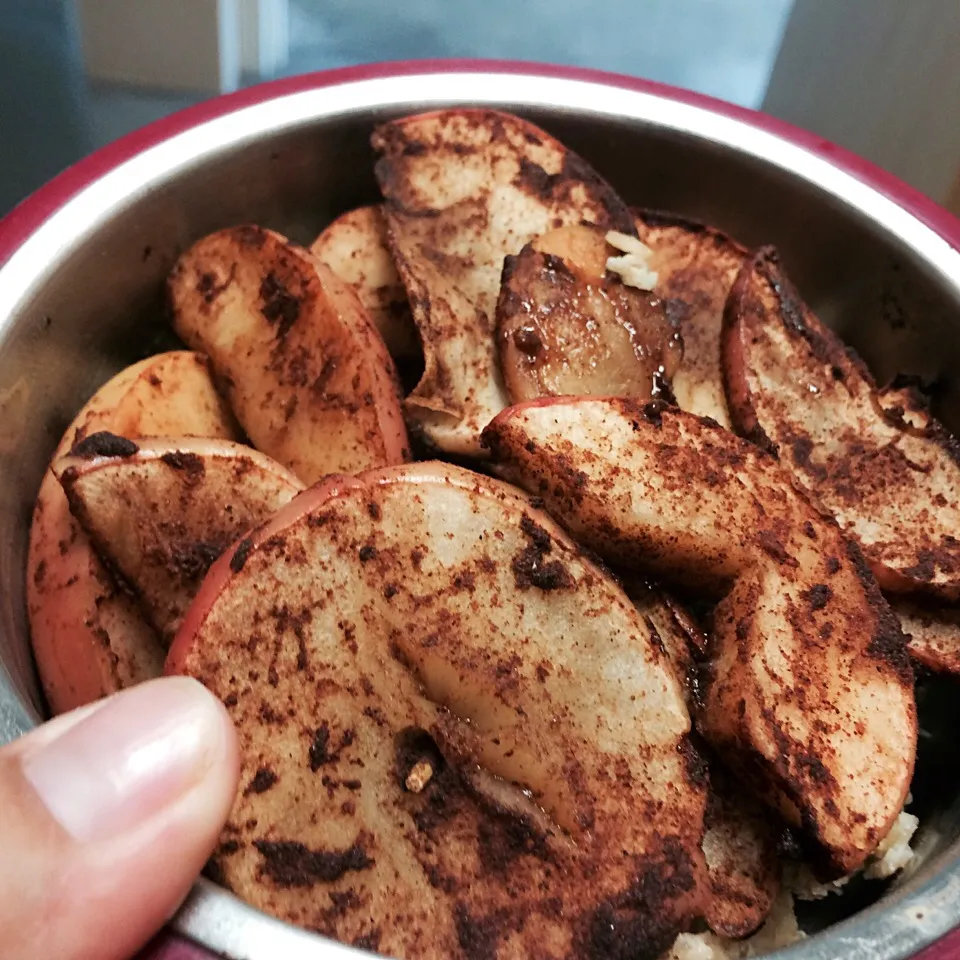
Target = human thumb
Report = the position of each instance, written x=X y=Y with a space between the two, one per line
x=107 y=815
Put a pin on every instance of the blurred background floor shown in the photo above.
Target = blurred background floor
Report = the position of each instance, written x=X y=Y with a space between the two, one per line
x=50 y=115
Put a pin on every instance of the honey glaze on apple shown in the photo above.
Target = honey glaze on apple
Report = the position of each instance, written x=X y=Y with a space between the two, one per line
x=567 y=326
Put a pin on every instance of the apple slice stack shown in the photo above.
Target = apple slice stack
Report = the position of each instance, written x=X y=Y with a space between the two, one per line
x=462 y=735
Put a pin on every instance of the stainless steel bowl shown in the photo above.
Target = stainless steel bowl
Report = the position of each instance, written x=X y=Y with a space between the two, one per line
x=80 y=296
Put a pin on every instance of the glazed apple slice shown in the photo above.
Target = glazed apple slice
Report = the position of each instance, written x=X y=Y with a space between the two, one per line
x=455 y=730
x=565 y=326
x=463 y=189
x=355 y=248
x=889 y=473
x=161 y=511
x=696 y=265
x=809 y=692
x=89 y=637
x=305 y=371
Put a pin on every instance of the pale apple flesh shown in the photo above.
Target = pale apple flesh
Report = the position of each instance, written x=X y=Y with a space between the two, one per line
x=463 y=189
x=161 y=511
x=453 y=725
x=810 y=691
x=89 y=637
x=303 y=367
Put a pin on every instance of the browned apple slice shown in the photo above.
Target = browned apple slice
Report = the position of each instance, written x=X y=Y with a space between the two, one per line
x=565 y=326
x=89 y=637
x=740 y=849
x=740 y=838
x=669 y=624
x=810 y=692
x=161 y=511
x=463 y=189
x=932 y=632
x=355 y=248
x=893 y=485
x=457 y=735
x=304 y=369
x=697 y=265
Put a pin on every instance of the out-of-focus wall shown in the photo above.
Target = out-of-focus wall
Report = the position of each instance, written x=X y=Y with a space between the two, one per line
x=43 y=97
x=879 y=77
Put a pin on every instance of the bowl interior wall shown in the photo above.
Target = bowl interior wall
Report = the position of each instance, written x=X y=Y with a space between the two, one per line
x=101 y=307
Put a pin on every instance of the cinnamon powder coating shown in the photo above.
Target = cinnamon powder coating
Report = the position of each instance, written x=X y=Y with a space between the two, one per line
x=461 y=863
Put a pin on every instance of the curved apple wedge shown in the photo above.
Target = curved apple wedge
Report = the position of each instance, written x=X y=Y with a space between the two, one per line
x=739 y=839
x=932 y=631
x=89 y=637
x=161 y=511
x=566 y=327
x=697 y=265
x=886 y=470
x=304 y=369
x=355 y=248
x=463 y=189
x=455 y=730
x=740 y=849
x=810 y=691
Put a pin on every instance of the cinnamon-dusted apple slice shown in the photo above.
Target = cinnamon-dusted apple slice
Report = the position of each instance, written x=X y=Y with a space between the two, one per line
x=565 y=326
x=740 y=838
x=670 y=625
x=89 y=637
x=463 y=189
x=695 y=264
x=305 y=371
x=890 y=475
x=810 y=691
x=740 y=849
x=456 y=732
x=355 y=248
x=161 y=511
x=932 y=631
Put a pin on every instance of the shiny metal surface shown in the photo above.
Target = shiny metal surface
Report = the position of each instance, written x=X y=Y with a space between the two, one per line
x=82 y=296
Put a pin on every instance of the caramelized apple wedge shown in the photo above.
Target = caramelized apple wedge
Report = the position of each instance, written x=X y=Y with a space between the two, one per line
x=89 y=637
x=161 y=511
x=810 y=691
x=304 y=369
x=697 y=265
x=890 y=475
x=355 y=248
x=463 y=189
x=455 y=730
x=567 y=327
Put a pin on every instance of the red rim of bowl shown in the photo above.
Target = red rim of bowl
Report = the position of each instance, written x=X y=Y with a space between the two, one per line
x=24 y=219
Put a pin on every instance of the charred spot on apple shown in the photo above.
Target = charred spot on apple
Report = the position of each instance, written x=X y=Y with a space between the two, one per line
x=103 y=444
x=291 y=864
x=452 y=740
